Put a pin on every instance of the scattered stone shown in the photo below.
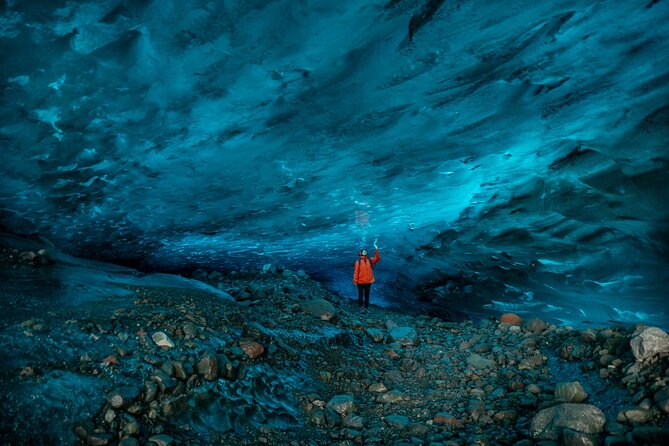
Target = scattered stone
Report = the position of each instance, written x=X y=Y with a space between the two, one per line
x=446 y=419
x=165 y=382
x=531 y=362
x=650 y=342
x=162 y=340
x=122 y=397
x=404 y=336
x=661 y=398
x=353 y=421
x=397 y=421
x=394 y=396
x=588 y=336
x=510 y=415
x=570 y=392
x=375 y=334
x=161 y=440
x=252 y=349
x=479 y=362
x=99 y=439
x=634 y=415
x=650 y=435
x=207 y=366
x=28 y=372
x=575 y=438
x=190 y=330
x=378 y=388
x=320 y=308
x=535 y=325
x=131 y=427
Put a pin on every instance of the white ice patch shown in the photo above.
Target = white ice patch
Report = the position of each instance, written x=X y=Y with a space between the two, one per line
x=59 y=83
x=50 y=116
x=635 y=316
x=21 y=80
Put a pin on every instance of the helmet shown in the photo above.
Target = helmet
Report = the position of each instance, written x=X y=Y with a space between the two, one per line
x=362 y=252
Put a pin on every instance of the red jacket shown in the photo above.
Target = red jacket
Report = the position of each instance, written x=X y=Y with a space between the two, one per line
x=362 y=274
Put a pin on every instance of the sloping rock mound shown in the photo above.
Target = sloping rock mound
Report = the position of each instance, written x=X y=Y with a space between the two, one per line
x=549 y=424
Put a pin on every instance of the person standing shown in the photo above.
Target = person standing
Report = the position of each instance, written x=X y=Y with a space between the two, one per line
x=363 y=276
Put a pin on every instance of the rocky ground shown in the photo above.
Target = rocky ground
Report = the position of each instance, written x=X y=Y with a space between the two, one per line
x=286 y=362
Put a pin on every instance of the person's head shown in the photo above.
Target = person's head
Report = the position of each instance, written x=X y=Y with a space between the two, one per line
x=362 y=253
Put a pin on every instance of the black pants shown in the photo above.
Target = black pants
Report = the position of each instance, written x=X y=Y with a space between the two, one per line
x=364 y=289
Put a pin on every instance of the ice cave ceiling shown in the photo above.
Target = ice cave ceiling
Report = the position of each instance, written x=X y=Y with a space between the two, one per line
x=502 y=152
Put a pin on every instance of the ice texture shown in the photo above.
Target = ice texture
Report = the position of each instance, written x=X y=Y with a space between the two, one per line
x=508 y=156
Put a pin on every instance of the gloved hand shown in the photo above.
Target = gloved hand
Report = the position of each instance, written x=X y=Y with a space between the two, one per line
x=376 y=240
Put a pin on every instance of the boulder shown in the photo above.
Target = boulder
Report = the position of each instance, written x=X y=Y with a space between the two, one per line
x=161 y=440
x=397 y=421
x=479 y=362
x=162 y=340
x=531 y=362
x=535 y=325
x=446 y=419
x=342 y=404
x=634 y=415
x=404 y=335
x=662 y=399
x=511 y=319
x=575 y=438
x=378 y=388
x=572 y=392
x=122 y=397
x=375 y=334
x=207 y=366
x=394 y=396
x=252 y=349
x=650 y=435
x=650 y=342
x=549 y=423
x=190 y=330
x=353 y=421
x=320 y=308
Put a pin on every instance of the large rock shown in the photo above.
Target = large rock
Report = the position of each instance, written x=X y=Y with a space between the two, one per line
x=404 y=335
x=375 y=334
x=446 y=419
x=252 y=349
x=535 y=325
x=394 y=396
x=161 y=339
x=161 y=440
x=662 y=399
x=320 y=308
x=634 y=415
x=397 y=421
x=549 y=423
x=649 y=342
x=479 y=362
x=575 y=438
x=572 y=392
x=650 y=435
x=342 y=404
x=207 y=366
x=511 y=319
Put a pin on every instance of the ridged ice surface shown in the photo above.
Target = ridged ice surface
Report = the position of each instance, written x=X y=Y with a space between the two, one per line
x=507 y=155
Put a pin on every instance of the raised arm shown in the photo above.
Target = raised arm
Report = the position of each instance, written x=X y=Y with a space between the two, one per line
x=376 y=257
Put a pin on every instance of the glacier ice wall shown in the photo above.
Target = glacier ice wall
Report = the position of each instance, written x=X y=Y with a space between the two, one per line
x=508 y=156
